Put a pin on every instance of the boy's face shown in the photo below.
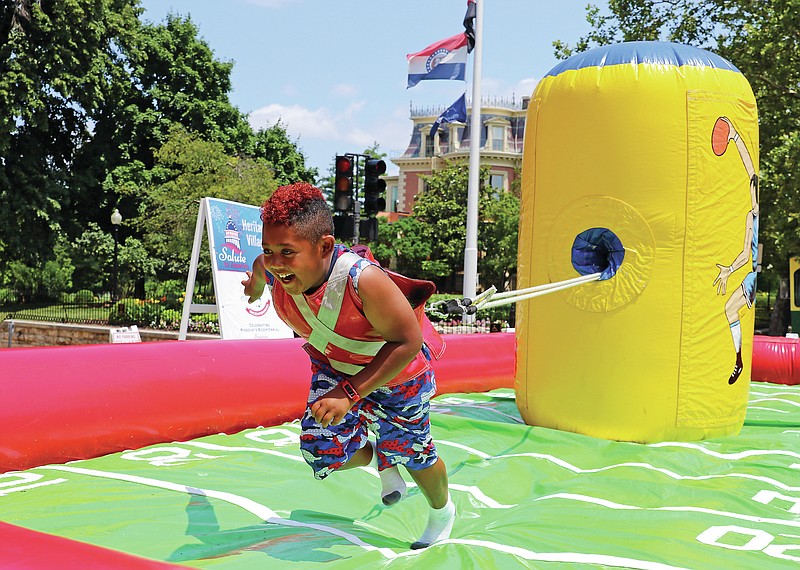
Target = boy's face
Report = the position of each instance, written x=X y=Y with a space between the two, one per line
x=294 y=261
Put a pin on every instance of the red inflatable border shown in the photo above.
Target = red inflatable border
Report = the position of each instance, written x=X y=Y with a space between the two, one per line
x=25 y=549
x=67 y=403
x=776 y=359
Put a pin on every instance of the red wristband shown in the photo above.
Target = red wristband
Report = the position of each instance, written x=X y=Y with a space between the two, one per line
x=350 y=391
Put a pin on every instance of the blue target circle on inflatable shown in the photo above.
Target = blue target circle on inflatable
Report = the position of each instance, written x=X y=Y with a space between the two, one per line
x=597 y=250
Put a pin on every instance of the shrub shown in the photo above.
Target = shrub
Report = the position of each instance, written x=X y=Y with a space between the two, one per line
x=7 y=295
x=133 y=311
x=84 y=296
x=204 y=323
x=171 y=316
x=67 y=298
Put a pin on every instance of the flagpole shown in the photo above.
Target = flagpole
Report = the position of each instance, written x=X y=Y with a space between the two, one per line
x=471 y=248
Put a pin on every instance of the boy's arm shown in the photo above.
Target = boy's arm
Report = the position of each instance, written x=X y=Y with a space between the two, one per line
x=256 y=280
x=391 y=315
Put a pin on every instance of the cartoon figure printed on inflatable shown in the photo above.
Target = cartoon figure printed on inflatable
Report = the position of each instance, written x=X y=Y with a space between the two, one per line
x=745 y=294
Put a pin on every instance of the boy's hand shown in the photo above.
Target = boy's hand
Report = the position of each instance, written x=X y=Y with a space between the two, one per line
x=331 y=408
x=249 y=286
x=255 y=282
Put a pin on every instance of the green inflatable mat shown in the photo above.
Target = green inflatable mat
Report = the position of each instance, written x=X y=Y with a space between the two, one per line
x=527 y=497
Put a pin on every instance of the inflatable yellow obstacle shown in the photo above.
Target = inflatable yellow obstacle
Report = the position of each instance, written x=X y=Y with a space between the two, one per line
x=640 y=163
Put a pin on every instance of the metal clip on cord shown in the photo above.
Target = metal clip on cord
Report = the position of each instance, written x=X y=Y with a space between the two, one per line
x=491 y=298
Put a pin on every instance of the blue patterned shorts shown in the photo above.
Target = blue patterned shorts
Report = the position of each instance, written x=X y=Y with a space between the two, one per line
x=397 y=415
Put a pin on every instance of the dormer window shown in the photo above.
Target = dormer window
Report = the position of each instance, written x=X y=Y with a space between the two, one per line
x=497 y=132
x=498 y=138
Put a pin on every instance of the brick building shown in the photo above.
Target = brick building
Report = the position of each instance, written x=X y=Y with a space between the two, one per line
x=501 y=137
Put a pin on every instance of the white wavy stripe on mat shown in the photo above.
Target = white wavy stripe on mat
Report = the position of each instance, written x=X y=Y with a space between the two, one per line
x=755 y=393
x=268 y=515
x=681 y=509
x=569 y=466
x=260 y=511
x=605 y=560
x=781 y=400
x=443 y=403
x=476 y=493
x=217 y=447
x=763 y=409
x=444 y=408
x=727 y=456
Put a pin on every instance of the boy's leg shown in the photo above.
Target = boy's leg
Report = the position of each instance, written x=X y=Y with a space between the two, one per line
x=345 y=445
x=360 y=458
x=401 y=416
x=337 y=446
x=432 y=481
x=393 y=487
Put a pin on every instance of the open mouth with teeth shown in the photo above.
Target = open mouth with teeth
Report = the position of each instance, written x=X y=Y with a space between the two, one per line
x=285 y=277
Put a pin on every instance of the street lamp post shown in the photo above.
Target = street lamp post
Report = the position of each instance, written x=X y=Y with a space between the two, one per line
x=116 y=220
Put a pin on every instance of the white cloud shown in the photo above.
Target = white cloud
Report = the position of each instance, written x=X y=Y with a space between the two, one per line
x=315 y=124
x=496 y=88
x=525 y=87
x=322 y=133
x=344 y=90
x=299 y=121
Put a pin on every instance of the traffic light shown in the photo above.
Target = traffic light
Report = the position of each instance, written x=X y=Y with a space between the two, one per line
x=344 y=227
x=374 y=187
x=368 y=229
x=343 y=184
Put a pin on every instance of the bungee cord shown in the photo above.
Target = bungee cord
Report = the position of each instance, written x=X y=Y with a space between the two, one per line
x=491 y=298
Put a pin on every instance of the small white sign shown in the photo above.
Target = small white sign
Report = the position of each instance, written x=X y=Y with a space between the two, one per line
x=125 y=334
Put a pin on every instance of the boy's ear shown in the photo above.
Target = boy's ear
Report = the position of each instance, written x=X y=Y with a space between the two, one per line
x=327 y=243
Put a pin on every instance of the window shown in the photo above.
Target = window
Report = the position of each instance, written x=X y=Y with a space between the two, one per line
x=429 y=149
x=455 y=137
x=498 y=184
x=498 y=138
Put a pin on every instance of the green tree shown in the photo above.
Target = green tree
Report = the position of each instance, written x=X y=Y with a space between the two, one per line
x=430 y=243
x=763 y=40
x=187 y=169
x=403 y=245
x=88 y=94
x=45 y=279
x=81 y=114
x=172 y=79
x=93 y=253
x=500 y=228
x=51 y=80
x=288 y=162
x=135 y=264
x=442 y=210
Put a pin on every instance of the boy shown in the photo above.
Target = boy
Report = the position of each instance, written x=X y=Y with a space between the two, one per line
x=370 y=368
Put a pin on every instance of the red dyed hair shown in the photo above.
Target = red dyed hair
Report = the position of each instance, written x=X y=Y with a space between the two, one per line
x=287 y=202
x=300 y=205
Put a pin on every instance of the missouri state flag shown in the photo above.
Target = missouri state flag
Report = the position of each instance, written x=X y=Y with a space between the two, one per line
x=446 y=59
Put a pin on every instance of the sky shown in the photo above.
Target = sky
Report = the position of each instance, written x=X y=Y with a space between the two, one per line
x=334 y=72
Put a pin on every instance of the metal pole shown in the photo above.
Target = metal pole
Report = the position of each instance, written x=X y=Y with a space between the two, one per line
x=116 y=242
x=10 y=332
x=475 y=127
x=356 y=221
